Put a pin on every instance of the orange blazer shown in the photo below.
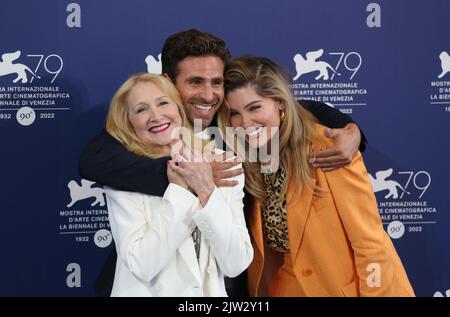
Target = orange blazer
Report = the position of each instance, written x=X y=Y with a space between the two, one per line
x=337 y=242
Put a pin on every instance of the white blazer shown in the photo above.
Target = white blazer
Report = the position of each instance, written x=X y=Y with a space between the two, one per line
x=155 y=250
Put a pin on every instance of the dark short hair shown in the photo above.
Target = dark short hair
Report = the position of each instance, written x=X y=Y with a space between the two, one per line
x=190 y=43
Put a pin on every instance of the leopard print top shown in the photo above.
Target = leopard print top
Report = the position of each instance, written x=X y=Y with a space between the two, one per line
x=274 y=217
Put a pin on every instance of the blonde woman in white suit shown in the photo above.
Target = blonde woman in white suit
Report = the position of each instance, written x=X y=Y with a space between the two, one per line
x=181 y=244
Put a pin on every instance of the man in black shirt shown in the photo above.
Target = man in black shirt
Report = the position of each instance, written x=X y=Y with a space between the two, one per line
x=195 y=61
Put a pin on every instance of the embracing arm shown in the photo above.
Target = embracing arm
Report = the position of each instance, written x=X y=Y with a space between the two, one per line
x=332 y=118
x=108 y=162
x=149 y=230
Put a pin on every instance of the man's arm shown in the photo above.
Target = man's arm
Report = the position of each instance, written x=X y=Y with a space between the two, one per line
x=346 y=135
x=108 y=162
x=331 y=118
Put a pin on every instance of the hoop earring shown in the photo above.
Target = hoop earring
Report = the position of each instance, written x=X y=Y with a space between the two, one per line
x=282 y=115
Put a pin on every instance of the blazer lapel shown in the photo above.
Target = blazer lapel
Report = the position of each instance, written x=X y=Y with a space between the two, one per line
x=256 y=267
x=297 y=214
x=187 y=252
x=255 y=224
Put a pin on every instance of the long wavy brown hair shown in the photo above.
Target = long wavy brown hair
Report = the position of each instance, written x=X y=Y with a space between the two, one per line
x=296 y=131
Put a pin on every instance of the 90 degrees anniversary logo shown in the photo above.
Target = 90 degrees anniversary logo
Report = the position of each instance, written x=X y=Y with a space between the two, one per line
x=401 y=200
x=86 y=216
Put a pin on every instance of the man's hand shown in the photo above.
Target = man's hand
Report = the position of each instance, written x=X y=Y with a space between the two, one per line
x=346 y=145
x=221 y=166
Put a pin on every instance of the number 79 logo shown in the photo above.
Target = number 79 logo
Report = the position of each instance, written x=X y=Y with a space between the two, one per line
x=53 y=64
x=419 y=185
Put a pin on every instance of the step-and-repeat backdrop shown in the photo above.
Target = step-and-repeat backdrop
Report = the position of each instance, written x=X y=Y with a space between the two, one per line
x=385 y=63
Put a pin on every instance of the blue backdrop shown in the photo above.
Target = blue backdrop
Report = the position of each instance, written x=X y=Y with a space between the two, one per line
x=385 y=63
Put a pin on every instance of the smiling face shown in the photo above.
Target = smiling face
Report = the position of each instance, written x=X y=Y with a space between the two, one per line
x=200 y=84
x=259 y=116
x=152 y=114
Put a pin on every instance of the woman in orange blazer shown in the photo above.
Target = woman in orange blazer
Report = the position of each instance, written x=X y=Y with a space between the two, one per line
x=314 y=233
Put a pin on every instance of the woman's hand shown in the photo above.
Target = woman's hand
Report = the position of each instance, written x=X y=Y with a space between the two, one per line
x=174 y=177
x=197 y=173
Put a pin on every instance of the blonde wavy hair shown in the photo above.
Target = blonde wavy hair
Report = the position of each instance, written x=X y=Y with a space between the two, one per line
x=296 y=131
x=119 y=125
